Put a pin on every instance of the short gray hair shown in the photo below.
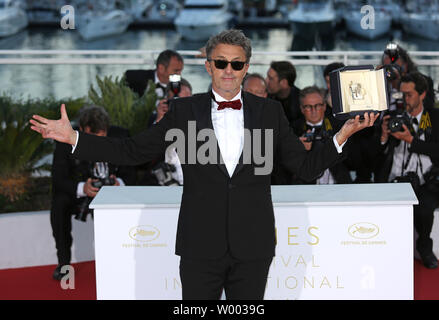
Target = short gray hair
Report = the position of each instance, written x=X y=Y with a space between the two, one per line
x=310 y=90
x=232 y=37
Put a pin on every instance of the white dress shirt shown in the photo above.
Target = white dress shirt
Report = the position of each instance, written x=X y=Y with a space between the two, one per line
x=418 y=163
x=228 y=125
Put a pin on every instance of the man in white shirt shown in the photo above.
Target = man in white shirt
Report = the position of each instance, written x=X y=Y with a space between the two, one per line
x=409 y=156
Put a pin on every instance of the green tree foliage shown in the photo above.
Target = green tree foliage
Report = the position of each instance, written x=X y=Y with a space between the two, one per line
x=126 y=108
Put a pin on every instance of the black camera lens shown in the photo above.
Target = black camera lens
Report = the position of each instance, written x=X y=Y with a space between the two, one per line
x=97 y=184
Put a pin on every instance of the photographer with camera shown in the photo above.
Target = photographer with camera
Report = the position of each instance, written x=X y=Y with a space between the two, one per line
x=397 y=63
x=177 y=88
x=75 y=183
x=410 y=145
x=313 y=130
x=167 y=170
x=168 y=62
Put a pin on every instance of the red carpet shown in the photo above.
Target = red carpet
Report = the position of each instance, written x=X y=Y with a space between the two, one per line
x=426 y=282
x=35 y=283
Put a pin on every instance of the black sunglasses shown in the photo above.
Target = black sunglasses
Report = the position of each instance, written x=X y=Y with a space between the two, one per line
x=222 y=64
x=308 y=107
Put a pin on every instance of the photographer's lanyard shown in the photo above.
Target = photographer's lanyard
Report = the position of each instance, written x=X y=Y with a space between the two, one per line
x=405 y=165
x=416 y=134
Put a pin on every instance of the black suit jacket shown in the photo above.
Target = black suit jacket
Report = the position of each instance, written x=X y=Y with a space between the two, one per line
x=218 y=213
x=137 y=80
x=291 y=105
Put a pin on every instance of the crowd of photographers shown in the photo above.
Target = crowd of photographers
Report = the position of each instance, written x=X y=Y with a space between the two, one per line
x=402 y=147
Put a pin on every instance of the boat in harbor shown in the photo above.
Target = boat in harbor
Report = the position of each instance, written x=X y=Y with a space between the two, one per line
x=421 y=18
x=200 y=19
x=94 y=22
x=312 y=16
x=13 y=17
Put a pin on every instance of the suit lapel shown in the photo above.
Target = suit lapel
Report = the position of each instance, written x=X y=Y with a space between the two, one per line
x=203 y=117
x=252 y=119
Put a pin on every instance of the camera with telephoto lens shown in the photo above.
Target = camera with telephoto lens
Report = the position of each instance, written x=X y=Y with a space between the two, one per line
x=106 y=181
x=397 y=120
x=393 y=71
x=175 y=84
x=100 y=173
x=163 y=173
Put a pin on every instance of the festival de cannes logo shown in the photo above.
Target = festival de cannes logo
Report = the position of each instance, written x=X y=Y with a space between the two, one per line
x=363 y=230
x=144 y=233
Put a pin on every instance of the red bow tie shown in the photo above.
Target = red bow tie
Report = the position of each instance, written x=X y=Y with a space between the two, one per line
x=235 y=104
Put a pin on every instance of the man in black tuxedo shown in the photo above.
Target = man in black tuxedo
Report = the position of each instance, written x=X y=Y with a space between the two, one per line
x=168 y=62
x=72 y=182
x=412 y=155
x=314 y=129
x=280 y=86
x=225 y=235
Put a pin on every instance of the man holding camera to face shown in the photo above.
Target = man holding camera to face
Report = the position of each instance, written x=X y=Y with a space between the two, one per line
x=75 y=183
x=410 y=144
x=314 y=129
x=168 y=170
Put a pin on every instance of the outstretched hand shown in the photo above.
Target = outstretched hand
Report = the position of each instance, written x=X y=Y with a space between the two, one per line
x=352 y=126
x=59 y=130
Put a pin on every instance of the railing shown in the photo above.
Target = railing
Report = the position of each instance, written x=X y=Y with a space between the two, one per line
x=147 y=57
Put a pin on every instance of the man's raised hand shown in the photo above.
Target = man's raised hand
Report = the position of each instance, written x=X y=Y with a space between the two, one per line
x=352 y=126
x=59 y=130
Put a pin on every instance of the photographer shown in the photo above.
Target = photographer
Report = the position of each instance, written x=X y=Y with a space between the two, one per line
x=167 y=170
x=410 y=144
x=183 y=89
x=397 y=63
x=168 y=62
x=314 y=129
x=75 y=183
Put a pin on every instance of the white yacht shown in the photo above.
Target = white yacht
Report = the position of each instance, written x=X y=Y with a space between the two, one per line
x=422 y=19
x=199 y=19
x=164 y=10
x=382 y=21
x=312 y=16
x=13 y=17
x=93 y=24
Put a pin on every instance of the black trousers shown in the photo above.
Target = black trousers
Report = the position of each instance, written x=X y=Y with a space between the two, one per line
x=241 y=280
x=61 y=222
x=423 y=218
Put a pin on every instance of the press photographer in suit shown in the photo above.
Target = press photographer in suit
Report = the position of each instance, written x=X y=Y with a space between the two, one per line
x=168 y=62
x=225 y=234
x=314 y=129
x=410 y=150
x=75 y=183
